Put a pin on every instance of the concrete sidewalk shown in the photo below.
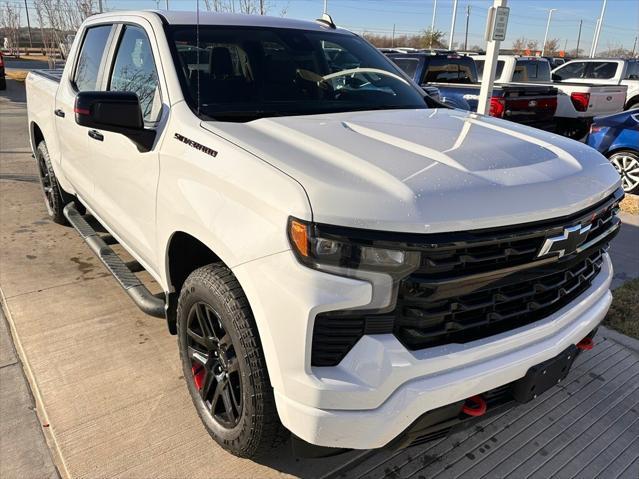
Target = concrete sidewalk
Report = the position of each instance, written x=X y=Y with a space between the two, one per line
x=108 y=379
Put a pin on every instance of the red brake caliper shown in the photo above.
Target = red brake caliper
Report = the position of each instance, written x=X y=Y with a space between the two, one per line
x=198 y=376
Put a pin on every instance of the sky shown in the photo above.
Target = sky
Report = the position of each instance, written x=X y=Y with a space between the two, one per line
x=527 y=17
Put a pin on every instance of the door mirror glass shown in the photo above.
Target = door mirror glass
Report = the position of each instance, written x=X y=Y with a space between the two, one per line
x=119 y=112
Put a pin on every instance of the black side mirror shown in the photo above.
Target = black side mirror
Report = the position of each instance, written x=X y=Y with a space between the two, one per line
x=555 y=77
x=115 y=111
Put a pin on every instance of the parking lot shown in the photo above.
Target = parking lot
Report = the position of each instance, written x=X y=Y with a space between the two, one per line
x=111 y=401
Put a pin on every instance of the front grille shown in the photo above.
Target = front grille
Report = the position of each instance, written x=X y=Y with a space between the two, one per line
x=422 y=323
x=476 y=284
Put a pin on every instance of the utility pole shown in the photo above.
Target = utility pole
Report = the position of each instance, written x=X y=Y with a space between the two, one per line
x=578 y=39
x=167 y=4
x=543 y=47
x=393 y=39
x=595 y=41
x=467 y=19
x=432 y=24
x=100 y=6
x=26 y=9
x=452 y=25
x=325 y=6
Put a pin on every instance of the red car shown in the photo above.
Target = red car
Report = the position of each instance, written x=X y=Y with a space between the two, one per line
x=3 y=80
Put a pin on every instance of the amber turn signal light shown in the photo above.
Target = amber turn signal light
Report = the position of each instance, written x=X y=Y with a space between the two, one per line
x=299 y=236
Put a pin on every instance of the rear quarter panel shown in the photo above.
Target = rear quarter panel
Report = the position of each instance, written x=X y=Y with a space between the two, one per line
x=41 y=94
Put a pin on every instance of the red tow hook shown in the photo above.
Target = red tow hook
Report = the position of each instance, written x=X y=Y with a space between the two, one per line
x=586 y=344
x=475 y=406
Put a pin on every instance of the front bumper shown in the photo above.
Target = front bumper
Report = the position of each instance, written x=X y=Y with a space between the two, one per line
x=380 y=387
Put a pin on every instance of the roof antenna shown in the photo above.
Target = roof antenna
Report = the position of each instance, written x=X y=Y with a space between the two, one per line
x=197 y=49
x=327 y=21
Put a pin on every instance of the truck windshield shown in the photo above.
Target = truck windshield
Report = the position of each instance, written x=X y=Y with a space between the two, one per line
x=245 y=73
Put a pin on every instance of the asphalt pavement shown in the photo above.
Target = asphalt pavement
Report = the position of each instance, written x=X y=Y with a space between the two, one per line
x=110 y=399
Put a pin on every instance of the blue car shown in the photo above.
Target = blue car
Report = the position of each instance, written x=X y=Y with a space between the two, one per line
x=617 y=137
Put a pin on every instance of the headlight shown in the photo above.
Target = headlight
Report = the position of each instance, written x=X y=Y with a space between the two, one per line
x=338 y=254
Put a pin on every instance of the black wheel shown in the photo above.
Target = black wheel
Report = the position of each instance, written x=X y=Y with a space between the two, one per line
x=627 y=165
x=631 y=105
x=224 y=365
x=54 y=198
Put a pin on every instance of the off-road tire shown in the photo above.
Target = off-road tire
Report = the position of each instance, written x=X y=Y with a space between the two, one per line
x=259 y=428
x=55 y=199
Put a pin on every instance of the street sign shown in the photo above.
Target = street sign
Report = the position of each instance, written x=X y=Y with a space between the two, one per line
x=497 y=23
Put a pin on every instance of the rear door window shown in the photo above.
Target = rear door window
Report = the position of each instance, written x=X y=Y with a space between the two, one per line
x=450 y=70
x=480 y=68
x=87 y=69
x=531 y=71
x=601 y=70
x=571 y=70
x=633 y=70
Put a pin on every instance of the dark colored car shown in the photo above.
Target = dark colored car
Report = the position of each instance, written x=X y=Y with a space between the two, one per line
x=456 y=78
x=3 y=80
x=617 y=137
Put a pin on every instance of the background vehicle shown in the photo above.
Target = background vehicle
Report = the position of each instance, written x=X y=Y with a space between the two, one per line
x=556 y=61
x=617 y=137
x=3 y=79
x=601 y=71
x=577 y=103
x=456 y=78
x=338 y=258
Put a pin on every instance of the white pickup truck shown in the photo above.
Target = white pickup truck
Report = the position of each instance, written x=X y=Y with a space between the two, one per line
x=339 y=259
x=578 y=102
x=603 y=71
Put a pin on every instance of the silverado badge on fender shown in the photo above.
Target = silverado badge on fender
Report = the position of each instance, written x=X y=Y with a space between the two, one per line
x=196 y=145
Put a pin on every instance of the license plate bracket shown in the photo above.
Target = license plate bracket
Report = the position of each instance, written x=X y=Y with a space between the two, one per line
x=543 y=376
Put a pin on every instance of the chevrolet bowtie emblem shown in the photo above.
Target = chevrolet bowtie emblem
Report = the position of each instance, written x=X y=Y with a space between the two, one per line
x=567 y=243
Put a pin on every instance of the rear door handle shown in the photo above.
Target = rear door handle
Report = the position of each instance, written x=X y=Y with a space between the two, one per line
x=96 y=135
x=59 y=113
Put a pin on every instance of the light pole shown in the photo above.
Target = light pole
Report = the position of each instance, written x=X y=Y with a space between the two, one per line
x=452 y=25
x=325 y=6
x=595 y=40
x=432 y=24
x=26 y=9
x=467 y=20
x=578 y=39
x=543 y=47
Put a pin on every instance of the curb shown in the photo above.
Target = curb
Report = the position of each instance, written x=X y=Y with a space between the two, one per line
x=49 y=436
x=626 y=341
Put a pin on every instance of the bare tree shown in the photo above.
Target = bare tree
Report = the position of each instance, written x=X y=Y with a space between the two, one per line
x=519 y=45
x=10 y=22
x=59 y=19
x=422 y=40
x=250 y=7
x=552 y=46
x=532 y=45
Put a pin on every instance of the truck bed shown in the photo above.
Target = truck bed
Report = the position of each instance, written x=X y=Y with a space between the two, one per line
x=53 y=74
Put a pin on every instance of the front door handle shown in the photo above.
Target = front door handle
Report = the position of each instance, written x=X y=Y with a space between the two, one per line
x=59 y=113
x=96 y=135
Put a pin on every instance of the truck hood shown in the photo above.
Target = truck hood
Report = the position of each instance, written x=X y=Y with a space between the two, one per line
x=426 y=171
